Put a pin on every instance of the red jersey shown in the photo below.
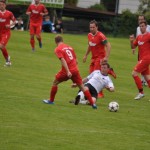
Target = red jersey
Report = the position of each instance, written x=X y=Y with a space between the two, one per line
x=67 y=52
x=5 y=18
x=143 y=43
x=35 y=10
x=96 y=44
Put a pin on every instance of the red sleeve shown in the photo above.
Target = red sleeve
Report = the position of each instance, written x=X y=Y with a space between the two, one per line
x=136 y=41
x=29 y=9
x=58 y=53
x=12 y=17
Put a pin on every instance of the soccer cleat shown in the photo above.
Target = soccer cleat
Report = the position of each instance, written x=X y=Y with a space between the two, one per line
x=48 y=101
x=139 y=96
x=94 y=106
x=111 y=72
x=33 y=50
x=8 y=63
x=40 y=44
x=77 y=100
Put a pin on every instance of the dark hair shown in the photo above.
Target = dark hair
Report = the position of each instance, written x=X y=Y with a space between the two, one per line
x=3 y=1
x=58 y=38
x=105 y=63
x=94 y=22
x=142 y=16
x=143 y=22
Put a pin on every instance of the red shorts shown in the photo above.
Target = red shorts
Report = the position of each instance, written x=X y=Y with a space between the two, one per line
x=143 y=67
x=95 y=64
x=35 y=29
x=4 y=38
x=76 y=78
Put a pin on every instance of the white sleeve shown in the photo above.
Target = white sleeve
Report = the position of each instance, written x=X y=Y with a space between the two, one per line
x=110 y=83
x=92 y=74
x=148 y=28
x=138 y=31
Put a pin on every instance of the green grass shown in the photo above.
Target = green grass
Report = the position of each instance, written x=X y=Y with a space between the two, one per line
x=28 y=124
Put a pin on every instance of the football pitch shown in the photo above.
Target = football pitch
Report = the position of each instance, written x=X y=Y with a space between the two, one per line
x=26 y=123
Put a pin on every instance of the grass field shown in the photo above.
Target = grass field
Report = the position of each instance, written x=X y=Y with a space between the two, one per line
x=28 y=124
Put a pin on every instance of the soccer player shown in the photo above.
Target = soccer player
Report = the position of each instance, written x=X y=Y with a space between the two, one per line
x=99 y=47
x=95 y=82
x=5 y=18
x=138 y=32
x=143 y=65
x=69 y=70
x=36 y=12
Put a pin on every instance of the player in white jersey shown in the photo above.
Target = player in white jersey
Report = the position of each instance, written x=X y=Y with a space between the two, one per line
x=95 y=82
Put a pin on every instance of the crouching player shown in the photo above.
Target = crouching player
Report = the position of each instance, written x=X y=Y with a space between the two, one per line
x=95 y=82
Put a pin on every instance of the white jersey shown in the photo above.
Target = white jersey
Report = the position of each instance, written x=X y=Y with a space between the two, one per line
x=99 y=81
x=138 y=31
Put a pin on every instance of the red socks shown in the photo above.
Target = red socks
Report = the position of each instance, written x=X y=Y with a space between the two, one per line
x=138 y=83
x=53 y=93
x=5 y=53
x=32 y=42
x=88 y=96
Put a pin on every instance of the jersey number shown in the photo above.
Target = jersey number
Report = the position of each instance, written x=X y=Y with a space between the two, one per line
x=69 y=54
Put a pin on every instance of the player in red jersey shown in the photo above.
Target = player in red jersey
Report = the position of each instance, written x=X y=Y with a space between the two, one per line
x=36 y=12
x=99 y=47
x=5 y=18
x=143 y=65
x=69 y=70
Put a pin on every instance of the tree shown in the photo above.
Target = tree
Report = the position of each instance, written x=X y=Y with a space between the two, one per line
x=144 y=6
x=71 y=2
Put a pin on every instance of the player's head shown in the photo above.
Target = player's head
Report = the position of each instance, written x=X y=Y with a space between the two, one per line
x=143 y=25
x=2 y=5
x=141 y=18
x=37 y=1
x=58 y=39
x=105 y=68
x=93 y=25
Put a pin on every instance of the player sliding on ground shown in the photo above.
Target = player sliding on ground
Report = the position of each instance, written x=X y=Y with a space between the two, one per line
x=95 y=82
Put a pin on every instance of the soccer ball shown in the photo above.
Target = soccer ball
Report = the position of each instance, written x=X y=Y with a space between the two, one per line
x=113 y=106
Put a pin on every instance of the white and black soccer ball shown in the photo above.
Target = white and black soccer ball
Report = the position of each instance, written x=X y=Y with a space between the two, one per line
x=113 y=106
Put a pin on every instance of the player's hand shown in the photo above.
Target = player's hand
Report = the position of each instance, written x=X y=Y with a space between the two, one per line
x=69 y=74
x=133 y=51
x=7 y=26
x=42 y=14
x=84 y=59
x=28 y=13
x=74 y=85
x=104 y=60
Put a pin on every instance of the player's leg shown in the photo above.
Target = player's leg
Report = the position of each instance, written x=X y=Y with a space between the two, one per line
x=143 y=80
x=38 y=35
x=32 y=33
x=60 y=77
x=76 y=78
x=139 y=68
x=3 y=41
x=87 y=95
x=146 y=75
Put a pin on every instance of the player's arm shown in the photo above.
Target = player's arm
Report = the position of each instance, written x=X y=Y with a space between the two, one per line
x=107 y=49
x=28 y=12
x=44 y=13
x=86 y=54
x=132 y=38
x=64 y=64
